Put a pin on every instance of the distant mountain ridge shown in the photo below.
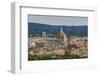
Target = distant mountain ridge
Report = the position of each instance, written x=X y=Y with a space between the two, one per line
x=35 y=29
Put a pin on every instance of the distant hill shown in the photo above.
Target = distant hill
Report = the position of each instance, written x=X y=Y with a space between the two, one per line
x=35 y=29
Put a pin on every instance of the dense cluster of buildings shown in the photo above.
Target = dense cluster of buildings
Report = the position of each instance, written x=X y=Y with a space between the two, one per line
x=59 y=45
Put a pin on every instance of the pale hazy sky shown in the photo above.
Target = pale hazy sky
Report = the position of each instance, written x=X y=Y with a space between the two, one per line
x=58 y=20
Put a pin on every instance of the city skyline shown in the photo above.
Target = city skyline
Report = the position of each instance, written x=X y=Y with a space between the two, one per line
x=57 y=37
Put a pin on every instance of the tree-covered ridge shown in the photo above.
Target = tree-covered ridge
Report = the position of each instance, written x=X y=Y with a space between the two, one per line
x=35 y=29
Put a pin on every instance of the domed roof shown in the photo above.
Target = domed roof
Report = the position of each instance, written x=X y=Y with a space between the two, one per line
x=61 y=34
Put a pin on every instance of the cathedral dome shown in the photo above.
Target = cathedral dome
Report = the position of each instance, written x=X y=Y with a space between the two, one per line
x=61 y=34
